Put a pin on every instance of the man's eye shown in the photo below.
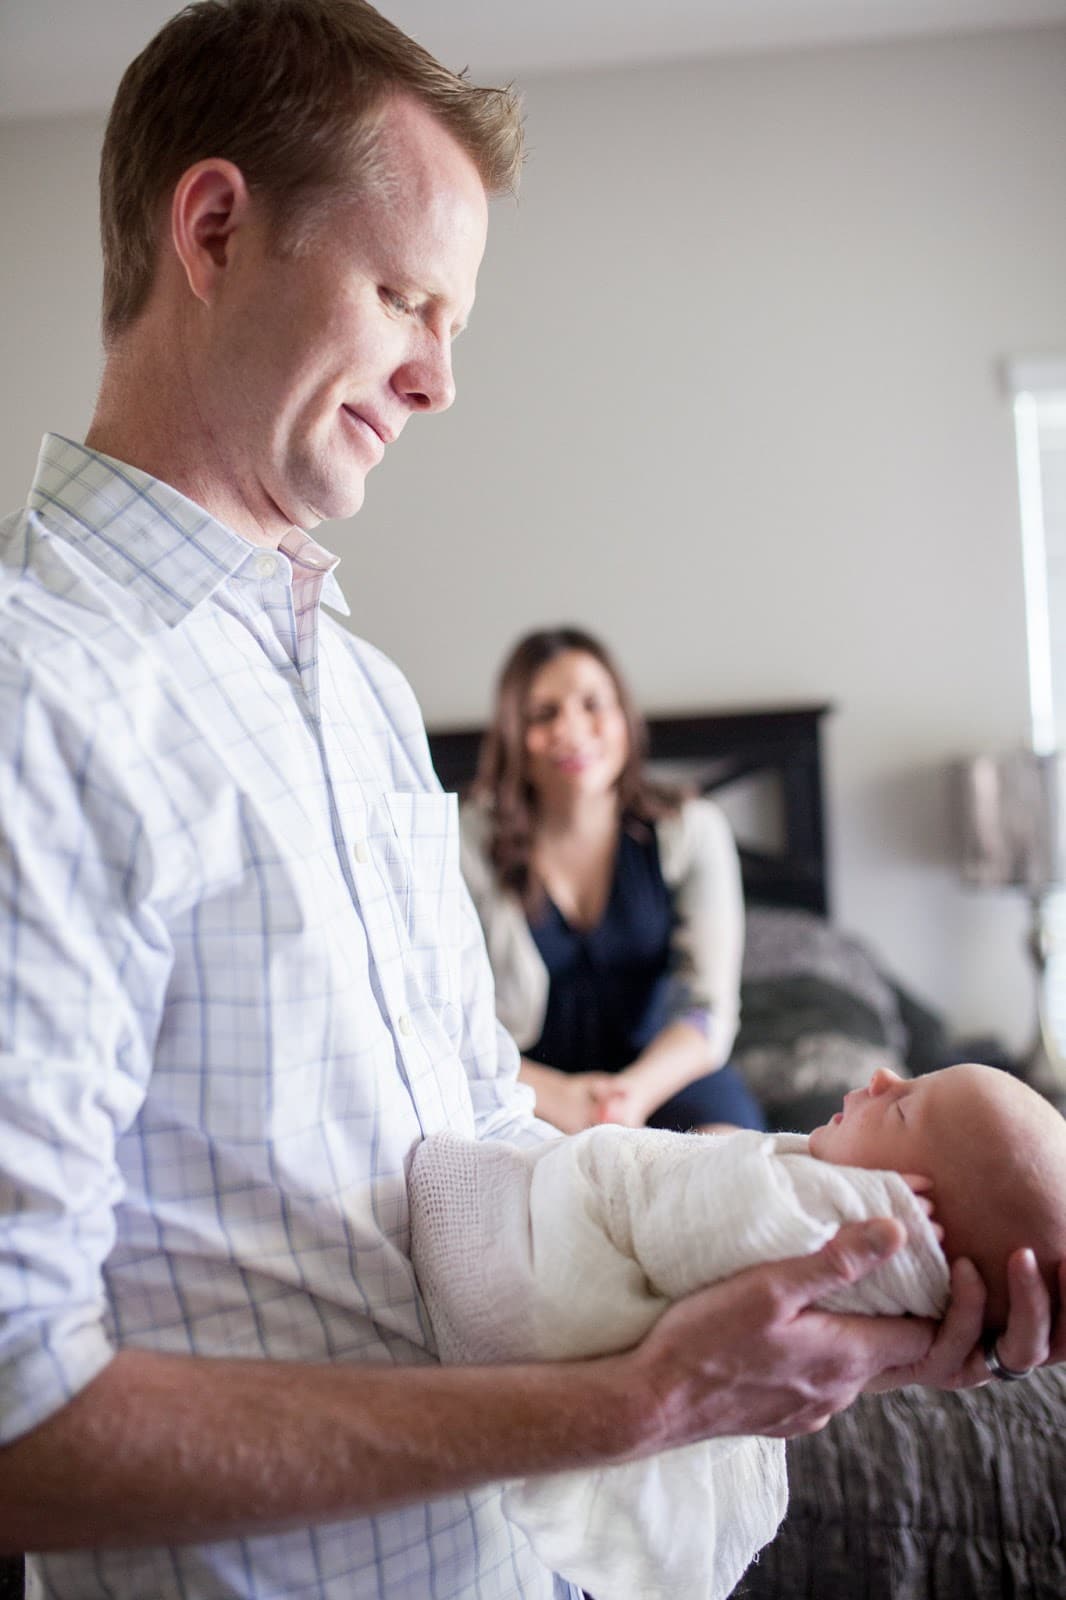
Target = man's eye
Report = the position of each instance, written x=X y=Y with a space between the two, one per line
x=395 y=302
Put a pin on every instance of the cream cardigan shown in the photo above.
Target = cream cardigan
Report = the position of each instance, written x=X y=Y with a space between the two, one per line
x=700 y=867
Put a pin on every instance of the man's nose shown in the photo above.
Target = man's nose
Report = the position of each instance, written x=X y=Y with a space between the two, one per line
x=427 y=382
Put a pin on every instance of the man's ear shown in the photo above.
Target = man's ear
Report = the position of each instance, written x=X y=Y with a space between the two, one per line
x=211 y=202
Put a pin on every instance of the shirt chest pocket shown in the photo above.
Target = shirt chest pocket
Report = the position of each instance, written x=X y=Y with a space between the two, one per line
x=423 y=863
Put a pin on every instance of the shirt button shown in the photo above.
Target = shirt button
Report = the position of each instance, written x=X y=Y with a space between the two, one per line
x=265 y=566
x=405 y=1025
x=361 y=851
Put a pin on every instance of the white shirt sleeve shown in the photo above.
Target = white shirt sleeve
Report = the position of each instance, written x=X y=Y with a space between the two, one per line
x=84 y=972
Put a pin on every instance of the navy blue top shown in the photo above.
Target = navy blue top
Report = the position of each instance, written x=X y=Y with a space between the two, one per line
x=608 y=985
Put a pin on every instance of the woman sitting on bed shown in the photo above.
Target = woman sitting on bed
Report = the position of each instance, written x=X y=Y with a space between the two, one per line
x=611 y=906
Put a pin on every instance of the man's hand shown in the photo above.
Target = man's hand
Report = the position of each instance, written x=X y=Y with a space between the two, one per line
x=1032 y=1337
x=751 y=1355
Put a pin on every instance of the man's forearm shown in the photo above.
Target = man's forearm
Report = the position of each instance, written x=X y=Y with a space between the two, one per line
x=173 y=1449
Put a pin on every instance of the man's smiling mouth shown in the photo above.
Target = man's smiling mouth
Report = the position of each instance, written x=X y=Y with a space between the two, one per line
x=374 y=433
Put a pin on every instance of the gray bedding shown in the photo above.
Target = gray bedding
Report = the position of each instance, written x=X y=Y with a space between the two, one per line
x=925 y=1496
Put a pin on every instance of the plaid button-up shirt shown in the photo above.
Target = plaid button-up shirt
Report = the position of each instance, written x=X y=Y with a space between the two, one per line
x=240 y=978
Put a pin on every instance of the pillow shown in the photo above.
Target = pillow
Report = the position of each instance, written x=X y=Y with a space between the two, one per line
x=818 y=1017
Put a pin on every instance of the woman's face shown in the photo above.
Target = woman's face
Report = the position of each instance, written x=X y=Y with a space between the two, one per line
x=576 y=737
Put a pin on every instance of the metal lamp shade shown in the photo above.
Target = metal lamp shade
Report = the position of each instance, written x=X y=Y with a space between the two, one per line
x=1009 y=811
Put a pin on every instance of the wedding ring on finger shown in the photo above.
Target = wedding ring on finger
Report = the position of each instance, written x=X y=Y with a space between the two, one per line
x=996 y=1366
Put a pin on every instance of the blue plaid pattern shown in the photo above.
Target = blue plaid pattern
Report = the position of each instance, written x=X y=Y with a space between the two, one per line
x=240 y=979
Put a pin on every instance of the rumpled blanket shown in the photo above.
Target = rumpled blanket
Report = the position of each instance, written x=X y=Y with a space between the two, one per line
x=575 y=1248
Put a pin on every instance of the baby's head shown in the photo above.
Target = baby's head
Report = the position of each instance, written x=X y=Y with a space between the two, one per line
x=993 y=1149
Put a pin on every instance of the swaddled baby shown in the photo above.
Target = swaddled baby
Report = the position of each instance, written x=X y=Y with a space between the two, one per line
x=577 y=1247
x=988 y=1151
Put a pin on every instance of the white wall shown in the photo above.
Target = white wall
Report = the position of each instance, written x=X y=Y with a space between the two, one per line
x=729 y=398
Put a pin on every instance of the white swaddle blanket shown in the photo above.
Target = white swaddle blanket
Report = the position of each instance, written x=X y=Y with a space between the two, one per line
x=574 y=1249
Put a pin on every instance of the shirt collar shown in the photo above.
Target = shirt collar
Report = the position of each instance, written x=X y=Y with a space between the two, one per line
x=163 y=548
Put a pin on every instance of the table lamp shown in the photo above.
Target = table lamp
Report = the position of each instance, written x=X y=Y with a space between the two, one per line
x=1012 y=831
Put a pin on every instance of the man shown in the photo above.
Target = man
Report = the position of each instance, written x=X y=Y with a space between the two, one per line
x=241 y=978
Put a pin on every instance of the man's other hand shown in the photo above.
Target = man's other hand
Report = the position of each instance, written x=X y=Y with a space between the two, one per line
x=1034 y=1336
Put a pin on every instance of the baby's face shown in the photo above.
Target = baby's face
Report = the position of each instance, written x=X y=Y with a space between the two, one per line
x=887 y=1125
x=993 y=1150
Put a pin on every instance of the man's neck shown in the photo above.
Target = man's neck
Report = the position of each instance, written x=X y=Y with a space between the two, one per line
x=150 y=422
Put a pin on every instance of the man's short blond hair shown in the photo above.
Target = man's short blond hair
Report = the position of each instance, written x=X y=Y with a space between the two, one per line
x=291 y=92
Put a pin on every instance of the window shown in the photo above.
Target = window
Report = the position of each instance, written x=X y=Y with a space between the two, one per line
x=1038 y=389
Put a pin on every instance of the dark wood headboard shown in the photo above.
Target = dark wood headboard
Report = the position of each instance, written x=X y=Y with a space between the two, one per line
x=718 y=749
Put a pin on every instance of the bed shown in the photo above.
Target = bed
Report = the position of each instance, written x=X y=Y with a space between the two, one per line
x=916 y=1495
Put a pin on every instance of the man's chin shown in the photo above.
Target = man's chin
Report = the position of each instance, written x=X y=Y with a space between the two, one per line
x=332 y=504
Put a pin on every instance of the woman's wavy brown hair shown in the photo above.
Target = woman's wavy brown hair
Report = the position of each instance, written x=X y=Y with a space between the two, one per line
x=501 y=785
